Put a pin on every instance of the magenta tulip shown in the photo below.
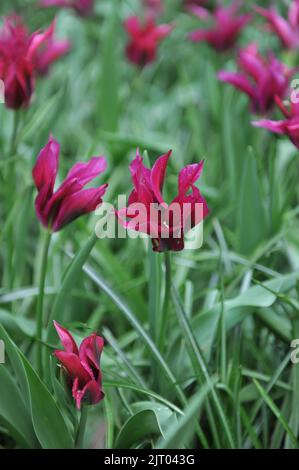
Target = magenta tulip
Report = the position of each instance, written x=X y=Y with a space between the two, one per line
x=261 y=79
x=82 y=366
x=165 y=224
x=19 y=52
x=288 y=126
x=287 y=30
x=70 y=200
x=226 y=28
x=144 y=39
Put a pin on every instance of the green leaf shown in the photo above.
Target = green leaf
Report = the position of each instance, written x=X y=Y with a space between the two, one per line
x=149 y=420
x=276 y=411
x=69 y=281
x=13 y=411
x=180 y=434
x=252 y=225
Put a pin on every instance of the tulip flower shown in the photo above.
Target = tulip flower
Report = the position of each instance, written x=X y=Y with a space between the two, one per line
x=144 y=39
x=81 y=7
x=225 y=32
x=18 y=56
x=261 y=79
x=288 y=126
x=82 y=366
x=70 y=200
x=165 y=224
x=287 y=30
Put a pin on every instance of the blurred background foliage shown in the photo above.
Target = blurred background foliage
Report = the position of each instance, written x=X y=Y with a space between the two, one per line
x=225 y=358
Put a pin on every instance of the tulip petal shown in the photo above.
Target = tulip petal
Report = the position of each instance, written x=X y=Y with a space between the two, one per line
x=239 y=81
x=75 y=205
x=66 y=339
x=273 y=126
x=45 y=170
x=158 y=175
x=87 y=171
x=72 y=364
x=189 y=175
x=90 y=353
x=91 y=394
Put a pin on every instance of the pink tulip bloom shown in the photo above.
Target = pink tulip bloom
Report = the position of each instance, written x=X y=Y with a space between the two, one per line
x=81 y=7
x=225 y=32
x=70 y=200
x=144 y=39
x=82 y=366
x=261 y=79
x=18 y=55
x=165 y=224
x=288 y=126
x=286 y=29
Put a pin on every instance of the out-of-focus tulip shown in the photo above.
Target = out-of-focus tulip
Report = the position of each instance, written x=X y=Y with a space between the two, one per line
x=286 y=29
x=144 y=39
x=19 y=51
x=226 y=28
x=261 y=79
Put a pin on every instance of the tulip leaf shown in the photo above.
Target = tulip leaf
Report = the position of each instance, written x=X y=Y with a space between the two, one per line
x=69 y=279
x=47 y=420
x=149 y=419
x=109 y=81
x=179 y=435
x=252 y=223
x=13 y=412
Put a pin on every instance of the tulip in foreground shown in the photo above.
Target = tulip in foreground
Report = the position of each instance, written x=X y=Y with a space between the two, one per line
x=20 y=53
x=70 y=200
x=81 y=7
x=226 y=28
x=165 y=224
x=288 y=126
x=260 y=78
x=144 y=39
x=82 y=366
x=287 y=30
